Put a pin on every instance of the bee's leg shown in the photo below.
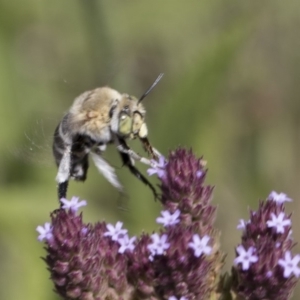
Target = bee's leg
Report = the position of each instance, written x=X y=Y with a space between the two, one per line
x=62 y=189
x=104 y=168
x=123 y=148
x=154 y=153
x=63 y=174
x=126 y=155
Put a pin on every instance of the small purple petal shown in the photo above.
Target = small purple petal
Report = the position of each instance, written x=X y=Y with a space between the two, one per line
x=200 y=245
x=290 y=265
x=45 y=232
x=278 y=222
x=126 y=243
x=169 y=219
x=279 y=197
x=199 y=173
x=115 y=232
x=245 y=257
x=158 y=245
x=74 y=204
x=158 y=167
x=242 y=224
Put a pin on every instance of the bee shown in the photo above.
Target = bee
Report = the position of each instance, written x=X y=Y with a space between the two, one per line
x=97 y=118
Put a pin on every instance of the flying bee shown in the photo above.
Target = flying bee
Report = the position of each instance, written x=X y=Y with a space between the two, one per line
x=97 y=118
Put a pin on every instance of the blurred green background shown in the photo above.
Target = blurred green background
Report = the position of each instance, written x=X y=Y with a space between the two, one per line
x=230 y=91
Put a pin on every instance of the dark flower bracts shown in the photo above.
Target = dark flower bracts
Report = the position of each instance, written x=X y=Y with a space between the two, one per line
x=183 y=260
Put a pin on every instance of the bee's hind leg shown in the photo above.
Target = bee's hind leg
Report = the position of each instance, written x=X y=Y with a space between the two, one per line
x=62 y=189
x=63 y=174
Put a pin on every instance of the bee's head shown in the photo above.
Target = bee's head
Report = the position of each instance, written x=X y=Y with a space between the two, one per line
x=128 y=116
x=131 y=118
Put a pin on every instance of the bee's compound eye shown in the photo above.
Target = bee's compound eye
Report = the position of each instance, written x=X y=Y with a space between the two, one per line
x=125 y=125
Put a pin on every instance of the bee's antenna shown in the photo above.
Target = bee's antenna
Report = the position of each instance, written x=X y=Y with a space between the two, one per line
x=151 y=87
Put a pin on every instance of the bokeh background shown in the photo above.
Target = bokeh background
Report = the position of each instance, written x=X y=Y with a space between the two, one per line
x=230 y=92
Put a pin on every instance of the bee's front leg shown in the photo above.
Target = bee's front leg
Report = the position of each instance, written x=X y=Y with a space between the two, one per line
x=127 y=155
x=154 y=153
x=123 y=148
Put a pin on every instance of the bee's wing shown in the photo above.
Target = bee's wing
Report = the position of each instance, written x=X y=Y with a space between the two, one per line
x=106 y=169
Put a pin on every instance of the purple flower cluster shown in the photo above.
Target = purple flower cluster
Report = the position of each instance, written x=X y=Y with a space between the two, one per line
x=182 y=261
x=264 y=267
